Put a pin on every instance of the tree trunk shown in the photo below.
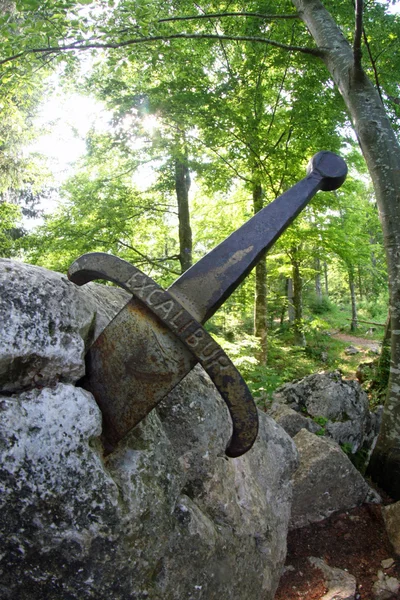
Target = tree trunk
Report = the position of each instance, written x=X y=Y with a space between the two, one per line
x=382 y=154
x=299 y=337
x=318 y=288
x=182 y=186
x=383 y=366
x=291 y=314
x=354 y=322
x=326 y=278
x=260 y=300
x=360 y=288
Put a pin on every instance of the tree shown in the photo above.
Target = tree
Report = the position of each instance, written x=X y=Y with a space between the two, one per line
x=381 y=151
x=9 y=217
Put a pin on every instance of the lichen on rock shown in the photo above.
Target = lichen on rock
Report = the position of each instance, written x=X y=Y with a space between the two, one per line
x=167 y=515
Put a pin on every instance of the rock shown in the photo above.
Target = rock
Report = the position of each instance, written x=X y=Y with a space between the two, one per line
x=365 y=371
x=325 y=482
x=387 y=563
x=341 y=585
x=370 y=331
x=291 y=421
x=166 y=516
x=342 y=404
x=374 y=350
x=391 y=515
x=351 y=350
x=385 y=587
x=45 y=322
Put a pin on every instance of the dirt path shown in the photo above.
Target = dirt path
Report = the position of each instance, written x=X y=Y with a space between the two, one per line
x=356 y=341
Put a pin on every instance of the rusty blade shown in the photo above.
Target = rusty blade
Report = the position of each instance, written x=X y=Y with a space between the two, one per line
x=204 y=287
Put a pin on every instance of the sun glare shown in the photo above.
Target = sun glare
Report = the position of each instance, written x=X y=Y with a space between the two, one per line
x=150 y=123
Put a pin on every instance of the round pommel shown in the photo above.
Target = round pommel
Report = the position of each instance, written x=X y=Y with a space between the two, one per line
x=330 y=167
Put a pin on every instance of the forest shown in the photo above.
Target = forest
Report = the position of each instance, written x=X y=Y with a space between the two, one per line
x=213 y=111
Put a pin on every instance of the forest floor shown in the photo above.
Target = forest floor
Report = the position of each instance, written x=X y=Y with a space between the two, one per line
x=354 y=541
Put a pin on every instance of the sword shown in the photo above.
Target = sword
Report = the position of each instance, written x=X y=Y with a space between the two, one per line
x=158 y=337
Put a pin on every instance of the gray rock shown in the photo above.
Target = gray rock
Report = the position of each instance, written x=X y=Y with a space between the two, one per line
x=351 y=350
x=374 y=350
x=341 y=585
x=166 y=516
x=391 y=515
x=45 y=322
x=387 y=563
x=343 y=404
x=325 y=482
x=385 y=587
x=291 y=420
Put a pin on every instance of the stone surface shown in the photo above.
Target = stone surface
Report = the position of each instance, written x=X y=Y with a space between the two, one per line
x=391 y=515
x=167 y=516
x=351 y=350
x=341 y=403
x=387 y=563
x=341 y=585
x=374 y=350
x=45 y=322
x=385 y=587
x=291 y=420
x=325 y=482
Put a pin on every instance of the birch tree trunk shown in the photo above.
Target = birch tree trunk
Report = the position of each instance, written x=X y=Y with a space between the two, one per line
x=382 y=154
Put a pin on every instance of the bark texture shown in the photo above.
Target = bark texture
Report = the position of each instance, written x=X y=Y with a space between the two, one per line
x=182 y=186
x=382 y=154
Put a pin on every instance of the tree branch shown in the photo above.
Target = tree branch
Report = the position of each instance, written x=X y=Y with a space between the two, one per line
x=230 y=14
x=222 y=46
x=157 y=38
x=358 y=35
x=155 y=262
x=373 y=64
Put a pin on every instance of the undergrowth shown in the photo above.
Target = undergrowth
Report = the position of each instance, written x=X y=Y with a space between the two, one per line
x=287 y=362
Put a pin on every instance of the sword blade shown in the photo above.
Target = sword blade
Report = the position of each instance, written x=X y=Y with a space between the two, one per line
x=204 y=287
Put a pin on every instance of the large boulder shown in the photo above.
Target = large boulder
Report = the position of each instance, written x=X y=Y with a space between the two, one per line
x=167 y=515
x=325 y=482
x=339 y=406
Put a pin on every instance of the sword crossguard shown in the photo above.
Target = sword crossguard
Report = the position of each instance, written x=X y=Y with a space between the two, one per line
x=196 y=339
